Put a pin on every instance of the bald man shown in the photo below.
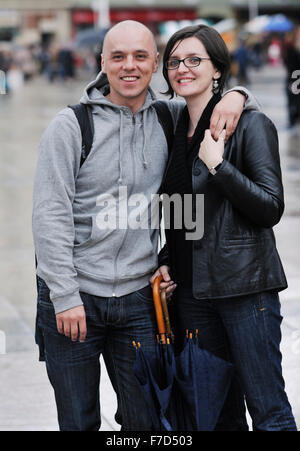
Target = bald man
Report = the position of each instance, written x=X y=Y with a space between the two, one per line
x=95 y=263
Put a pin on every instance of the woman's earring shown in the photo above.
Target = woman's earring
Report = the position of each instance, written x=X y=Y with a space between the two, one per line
x=215 y=86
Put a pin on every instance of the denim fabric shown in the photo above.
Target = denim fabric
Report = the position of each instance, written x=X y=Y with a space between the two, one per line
x=251 y=326
x=74 y=368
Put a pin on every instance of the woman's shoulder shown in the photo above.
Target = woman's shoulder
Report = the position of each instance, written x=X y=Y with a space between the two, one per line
x=254 y=118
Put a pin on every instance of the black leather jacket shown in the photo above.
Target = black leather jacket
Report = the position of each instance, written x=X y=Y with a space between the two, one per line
x=242 y=202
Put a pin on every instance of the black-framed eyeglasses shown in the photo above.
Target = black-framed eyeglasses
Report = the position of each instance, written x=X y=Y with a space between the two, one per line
x=189 y=61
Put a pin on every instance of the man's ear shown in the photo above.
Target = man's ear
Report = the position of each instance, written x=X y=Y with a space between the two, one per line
x=156 y=62
x=102 y=64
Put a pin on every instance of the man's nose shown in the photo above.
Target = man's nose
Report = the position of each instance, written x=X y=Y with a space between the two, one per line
x=129 y=62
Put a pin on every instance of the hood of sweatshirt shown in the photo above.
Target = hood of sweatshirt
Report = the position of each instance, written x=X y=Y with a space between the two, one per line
x=95 y=94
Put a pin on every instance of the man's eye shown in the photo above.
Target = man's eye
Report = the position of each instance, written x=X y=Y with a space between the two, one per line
x=117 y=57
x=141 y=57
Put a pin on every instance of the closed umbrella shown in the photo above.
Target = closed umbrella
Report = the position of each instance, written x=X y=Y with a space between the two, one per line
x=185 y=391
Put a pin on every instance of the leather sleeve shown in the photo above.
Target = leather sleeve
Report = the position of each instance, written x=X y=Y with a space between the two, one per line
x=257 y=190
x=163 y=257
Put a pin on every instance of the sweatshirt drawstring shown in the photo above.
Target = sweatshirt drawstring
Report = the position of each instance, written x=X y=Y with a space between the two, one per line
x=144 y=125
x=121 y=147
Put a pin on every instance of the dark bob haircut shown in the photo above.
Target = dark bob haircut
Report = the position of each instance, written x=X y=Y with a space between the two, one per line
x=214 y=45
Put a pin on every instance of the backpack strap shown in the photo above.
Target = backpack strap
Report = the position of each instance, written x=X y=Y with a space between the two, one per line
x=83 y=114
x=166 y=121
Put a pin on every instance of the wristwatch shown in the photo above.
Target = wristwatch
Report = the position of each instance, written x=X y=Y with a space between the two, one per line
x=214 y=170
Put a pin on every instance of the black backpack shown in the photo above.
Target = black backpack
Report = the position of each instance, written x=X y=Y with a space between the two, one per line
x=84 y=117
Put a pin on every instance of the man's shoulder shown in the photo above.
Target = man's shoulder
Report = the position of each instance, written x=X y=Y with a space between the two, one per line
x=64 y=118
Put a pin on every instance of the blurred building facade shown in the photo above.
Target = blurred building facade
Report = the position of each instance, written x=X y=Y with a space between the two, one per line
x=41 y=20
x=33 y=21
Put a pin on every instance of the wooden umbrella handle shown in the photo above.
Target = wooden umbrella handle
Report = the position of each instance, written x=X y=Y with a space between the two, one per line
x=164 y=304
x=158 y=309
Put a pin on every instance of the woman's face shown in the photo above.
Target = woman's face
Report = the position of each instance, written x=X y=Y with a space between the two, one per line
x=192 y=81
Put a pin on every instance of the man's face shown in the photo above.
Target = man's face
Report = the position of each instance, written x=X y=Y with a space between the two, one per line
x=129 y=59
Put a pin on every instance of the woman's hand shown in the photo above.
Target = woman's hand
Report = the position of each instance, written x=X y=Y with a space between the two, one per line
x=211 y=151
x=167 y=283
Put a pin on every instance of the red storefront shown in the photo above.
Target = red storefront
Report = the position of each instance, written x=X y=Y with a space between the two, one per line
x=83 y=18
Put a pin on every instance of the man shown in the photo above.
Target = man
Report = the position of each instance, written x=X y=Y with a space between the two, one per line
x=99 y=276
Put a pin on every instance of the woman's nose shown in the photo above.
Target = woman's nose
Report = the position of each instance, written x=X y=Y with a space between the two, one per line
x=182 y=67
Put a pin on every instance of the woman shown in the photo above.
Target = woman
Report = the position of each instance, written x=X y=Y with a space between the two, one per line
x=228 y=281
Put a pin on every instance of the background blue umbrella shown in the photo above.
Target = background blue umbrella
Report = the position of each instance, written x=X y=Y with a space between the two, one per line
x=90 y=37
x=278 y=23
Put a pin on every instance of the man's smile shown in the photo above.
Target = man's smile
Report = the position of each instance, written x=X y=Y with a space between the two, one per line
x=130 y=78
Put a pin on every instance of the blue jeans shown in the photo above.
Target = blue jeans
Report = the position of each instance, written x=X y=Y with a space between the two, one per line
x=251 y=325
x=74 y=368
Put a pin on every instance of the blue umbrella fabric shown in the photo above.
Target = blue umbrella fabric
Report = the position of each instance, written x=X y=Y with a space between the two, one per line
x=204 y=380
x=156 y=380
x=279 y=23
x=184 y=392
x=90 y=37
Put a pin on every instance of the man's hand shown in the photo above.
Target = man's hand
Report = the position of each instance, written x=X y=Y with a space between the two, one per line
x=72 y=323
x=227 y=114
x=167 y=283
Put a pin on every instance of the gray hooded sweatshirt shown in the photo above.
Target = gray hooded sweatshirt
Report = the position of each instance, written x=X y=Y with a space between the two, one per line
x=92 y=225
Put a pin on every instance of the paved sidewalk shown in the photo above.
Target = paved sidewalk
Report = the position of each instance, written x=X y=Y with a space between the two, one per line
x=27 y=399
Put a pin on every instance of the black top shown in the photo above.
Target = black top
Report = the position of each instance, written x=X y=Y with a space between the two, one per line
x=185 y=155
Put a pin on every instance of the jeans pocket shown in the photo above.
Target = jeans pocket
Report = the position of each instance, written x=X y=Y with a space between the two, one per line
x=145 y=295
x=46 y=318
x=44 y=294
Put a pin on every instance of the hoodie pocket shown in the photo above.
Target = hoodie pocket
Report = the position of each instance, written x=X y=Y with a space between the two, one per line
x=97 y=234
x=138 y=254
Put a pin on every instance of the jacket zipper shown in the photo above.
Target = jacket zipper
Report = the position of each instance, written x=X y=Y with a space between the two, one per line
x=126 y=231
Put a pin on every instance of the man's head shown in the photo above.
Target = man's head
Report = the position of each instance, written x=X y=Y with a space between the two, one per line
x=129 y=59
